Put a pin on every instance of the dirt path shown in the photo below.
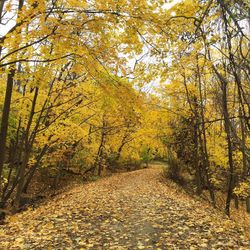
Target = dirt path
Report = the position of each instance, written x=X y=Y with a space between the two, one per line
x=135 y=210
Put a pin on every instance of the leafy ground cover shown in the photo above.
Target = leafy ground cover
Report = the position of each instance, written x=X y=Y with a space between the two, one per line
x=135 y=210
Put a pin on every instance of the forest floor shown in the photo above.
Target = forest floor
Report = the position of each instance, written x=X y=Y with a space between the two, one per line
x=135 y=210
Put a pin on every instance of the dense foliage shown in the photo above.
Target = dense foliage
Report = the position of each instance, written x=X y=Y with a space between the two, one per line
x=74 y=88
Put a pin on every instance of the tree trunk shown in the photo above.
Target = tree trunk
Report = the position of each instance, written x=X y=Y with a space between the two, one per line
x=5 y=120
x=99 y=157
x=20 y=185
x=34 y=168
x=198 y=174
x=1 y=14
x=204 y=139
x=1 y=9
x=248 y=204
x=27 y=152
x=229 y=149
x=243 y=137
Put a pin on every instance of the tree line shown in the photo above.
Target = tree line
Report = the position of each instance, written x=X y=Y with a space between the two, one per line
x=74 y=79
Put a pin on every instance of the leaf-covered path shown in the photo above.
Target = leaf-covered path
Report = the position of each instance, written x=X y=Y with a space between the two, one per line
x=135 y=210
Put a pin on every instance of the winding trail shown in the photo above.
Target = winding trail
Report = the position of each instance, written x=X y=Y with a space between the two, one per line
x=135 y=210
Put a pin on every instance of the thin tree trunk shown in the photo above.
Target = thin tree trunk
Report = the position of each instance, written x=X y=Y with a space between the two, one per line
x=248 y=204
x=99 y=156
x=244 y=156
x=229 y=145
x=204 y=141
x=1 y=9
x=27 y=152
x=198 y=174
x=1 y=14
x=34 y=168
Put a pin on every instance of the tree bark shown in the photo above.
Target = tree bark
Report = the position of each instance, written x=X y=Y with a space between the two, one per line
x=27 y=152
x=248 y=204
x=5 y=120
x=229 y=147
x=204 y=139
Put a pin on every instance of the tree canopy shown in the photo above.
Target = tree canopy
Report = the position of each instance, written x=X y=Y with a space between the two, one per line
x=92 y=86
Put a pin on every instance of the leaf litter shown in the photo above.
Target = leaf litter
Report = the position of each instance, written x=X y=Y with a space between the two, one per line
x=135 y=210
